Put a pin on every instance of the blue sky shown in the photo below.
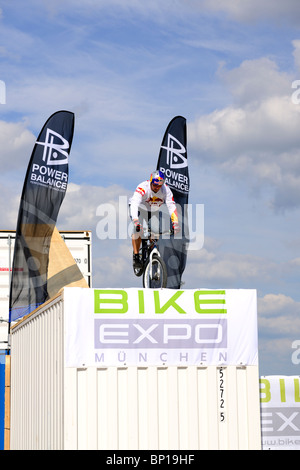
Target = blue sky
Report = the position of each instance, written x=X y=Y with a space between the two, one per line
x=126 y=69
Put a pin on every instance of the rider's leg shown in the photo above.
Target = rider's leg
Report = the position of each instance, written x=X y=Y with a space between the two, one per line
x=136 y=243
x=136 y=236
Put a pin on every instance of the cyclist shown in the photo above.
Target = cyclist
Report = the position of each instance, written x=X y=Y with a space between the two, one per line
x=149 y=196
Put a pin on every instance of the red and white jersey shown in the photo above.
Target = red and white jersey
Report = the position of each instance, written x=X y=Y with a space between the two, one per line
x=144 y=196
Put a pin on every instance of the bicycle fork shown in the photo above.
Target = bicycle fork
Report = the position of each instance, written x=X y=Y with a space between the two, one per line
x=153 y=252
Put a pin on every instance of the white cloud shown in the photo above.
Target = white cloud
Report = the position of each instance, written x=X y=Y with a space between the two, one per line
x=115 y=269
x=258 y=132
x=278 y=327
x=213 y=267
x=90 y=7
x=275 y=356
x=9 y=207
x=296 y=53
x=16 y=143
x=251 y=10
x=256 y=80
x=284 y=326
x=277 y=305
x=276 y=336
x=257 y=138
x=85 y=206
x=263 y=118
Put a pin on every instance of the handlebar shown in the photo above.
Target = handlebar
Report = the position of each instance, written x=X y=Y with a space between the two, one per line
x=156 y=235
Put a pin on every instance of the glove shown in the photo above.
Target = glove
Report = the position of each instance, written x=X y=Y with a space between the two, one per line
x=175 y=224
x=138 y=227
x=176 y=228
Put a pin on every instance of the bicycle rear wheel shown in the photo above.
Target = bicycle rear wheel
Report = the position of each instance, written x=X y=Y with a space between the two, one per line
x=155 y=273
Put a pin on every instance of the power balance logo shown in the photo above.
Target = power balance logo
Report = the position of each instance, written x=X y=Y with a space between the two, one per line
x=55 y=153
x=56 y=148
x=176 y=153
x=176 y=161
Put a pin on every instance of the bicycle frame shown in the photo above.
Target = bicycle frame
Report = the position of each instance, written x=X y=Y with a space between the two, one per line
x=151 y=238
x=153 y=269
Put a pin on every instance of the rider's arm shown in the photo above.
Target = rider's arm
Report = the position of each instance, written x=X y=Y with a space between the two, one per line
x=172 y=209
x=136 y=201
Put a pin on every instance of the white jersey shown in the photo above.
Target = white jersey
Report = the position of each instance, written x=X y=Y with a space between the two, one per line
x=144 y=196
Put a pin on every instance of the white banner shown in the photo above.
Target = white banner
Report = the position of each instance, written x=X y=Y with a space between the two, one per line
x=144 y=327
x=280 y=412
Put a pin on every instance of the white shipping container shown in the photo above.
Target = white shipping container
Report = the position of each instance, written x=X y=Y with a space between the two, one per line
x=152 y=407
x=79 y=244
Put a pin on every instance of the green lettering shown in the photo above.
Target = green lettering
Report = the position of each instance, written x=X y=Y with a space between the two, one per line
x=282 y=390
x=297 y=390
x=198 y=301
x=266 y=391
x=141 y=301
x=99 y=301
x=170 y=303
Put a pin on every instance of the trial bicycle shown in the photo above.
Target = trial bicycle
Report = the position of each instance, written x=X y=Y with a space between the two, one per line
x=153 y=270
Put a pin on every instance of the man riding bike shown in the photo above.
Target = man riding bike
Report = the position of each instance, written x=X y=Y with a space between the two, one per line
x=147 y=199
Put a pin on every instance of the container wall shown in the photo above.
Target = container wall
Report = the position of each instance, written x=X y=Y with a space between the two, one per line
x=7 y=243
x=80 y=246
x=169 y=408
x=2 y=397
x=78 y=242
x=37 y=380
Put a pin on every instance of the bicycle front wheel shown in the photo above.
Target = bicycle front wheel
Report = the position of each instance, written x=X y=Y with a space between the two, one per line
x=155 y=273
